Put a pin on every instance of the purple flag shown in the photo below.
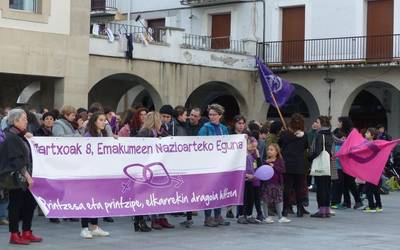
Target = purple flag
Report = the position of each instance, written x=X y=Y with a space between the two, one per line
x=280 y=88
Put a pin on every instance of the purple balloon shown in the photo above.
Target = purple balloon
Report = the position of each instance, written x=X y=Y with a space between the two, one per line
x=264 y=173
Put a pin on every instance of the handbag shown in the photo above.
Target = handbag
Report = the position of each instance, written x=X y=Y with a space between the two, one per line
x=13 y=180
x=321 y=166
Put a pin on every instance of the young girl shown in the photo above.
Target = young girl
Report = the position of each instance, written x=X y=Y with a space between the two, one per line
x=371 y=189
x=251 y=185
x=272 y=190
x=95 y=128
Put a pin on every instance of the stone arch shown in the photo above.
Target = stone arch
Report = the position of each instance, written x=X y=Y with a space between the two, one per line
x=28 y=92
x=380 y=105
x=302 y=101
x=219 y=92
x=120 y=90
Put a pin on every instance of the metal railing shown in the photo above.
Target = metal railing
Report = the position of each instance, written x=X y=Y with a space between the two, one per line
x=103 y=5
x=224 y=44
x=358 y=49
x=204 y=2
x=139 y=33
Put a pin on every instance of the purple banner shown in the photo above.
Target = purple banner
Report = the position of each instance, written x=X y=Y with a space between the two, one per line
x=77 y=198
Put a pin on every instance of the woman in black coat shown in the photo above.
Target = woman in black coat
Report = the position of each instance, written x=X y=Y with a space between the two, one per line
x=16 y=157
x=294 y=145
x=323 y=183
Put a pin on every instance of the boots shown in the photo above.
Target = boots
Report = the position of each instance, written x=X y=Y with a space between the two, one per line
x=156 y=225
x=141 y=226
x=164 y=223
x=27 y=235
x=299 y=212
x=15 y=238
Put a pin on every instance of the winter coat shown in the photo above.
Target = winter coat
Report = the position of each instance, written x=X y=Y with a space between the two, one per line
x=42 y=131
x=64 y=128
x=209 y=129
x=15 y=152
x=193 y=130
x=294 y=146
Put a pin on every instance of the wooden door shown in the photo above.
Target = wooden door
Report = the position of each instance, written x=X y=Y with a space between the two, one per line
x=293 y=22
x=380 y=30
x=98 y=5
x=155 y=25
x=221 y=31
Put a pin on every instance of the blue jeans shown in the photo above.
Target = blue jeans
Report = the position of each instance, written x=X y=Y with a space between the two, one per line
x=217 y=213
x=3 y=209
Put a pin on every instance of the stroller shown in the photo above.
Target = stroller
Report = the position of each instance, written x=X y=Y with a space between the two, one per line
x=391 y=178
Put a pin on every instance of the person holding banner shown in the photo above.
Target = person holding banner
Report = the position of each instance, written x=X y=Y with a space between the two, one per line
x=371 y=189
x=96 y=127
x=323 y=183
x=214 y=127
x=64 y=126
x=16 y=156
x=152 y=128
x=131 y=129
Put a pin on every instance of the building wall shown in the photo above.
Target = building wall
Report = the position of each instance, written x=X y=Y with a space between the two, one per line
x=174 y=83
x=58 y=20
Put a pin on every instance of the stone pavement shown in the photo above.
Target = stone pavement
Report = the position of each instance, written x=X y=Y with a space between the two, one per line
x=349 y=229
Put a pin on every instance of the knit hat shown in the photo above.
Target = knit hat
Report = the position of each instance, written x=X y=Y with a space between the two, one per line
x=48 y=114
x=168 y=110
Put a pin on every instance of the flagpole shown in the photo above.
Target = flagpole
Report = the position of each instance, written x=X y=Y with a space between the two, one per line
x=277 y=107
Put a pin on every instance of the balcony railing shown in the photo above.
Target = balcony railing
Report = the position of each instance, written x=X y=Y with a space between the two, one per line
x=359 y=49
x=103 y=5
x=223 y=44
x=204 y=2
x=156 y=35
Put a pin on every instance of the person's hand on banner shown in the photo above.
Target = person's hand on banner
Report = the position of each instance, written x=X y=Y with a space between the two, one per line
x=115 y=137
x=28 y=135
x=28 y=179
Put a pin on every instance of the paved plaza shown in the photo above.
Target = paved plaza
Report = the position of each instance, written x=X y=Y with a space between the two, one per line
x=349 y=229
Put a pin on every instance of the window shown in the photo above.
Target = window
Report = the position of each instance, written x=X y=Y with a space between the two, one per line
x=24 y=5
x=26 y=10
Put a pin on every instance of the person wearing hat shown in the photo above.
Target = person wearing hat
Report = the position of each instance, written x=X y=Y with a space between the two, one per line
x=168 y=116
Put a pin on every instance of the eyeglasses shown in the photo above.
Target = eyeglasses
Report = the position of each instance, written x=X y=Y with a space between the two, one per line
x=212 y=114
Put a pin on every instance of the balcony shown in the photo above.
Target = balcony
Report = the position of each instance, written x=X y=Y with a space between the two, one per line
x=169 y=44
x=222 y=44
x=100 y=7
x=358 y=50
x=204 y=2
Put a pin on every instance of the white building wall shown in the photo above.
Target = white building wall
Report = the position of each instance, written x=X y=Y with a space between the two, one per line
x=58 y=22
x=246 y=18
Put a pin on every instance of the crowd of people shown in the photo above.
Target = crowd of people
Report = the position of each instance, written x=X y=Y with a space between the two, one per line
x=289 y=149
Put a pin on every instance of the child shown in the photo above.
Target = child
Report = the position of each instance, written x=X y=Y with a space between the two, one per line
x=251 y=185
x=371 y=189
x=272 y=190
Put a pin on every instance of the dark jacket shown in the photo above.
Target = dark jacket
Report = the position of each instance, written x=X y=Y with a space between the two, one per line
x=42 y=131
x=15 y=152
x=180 y=128
x=293 y=146
x=174 y=128
x=317 y=146
x=193 y=130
